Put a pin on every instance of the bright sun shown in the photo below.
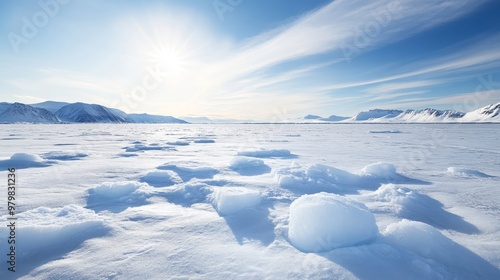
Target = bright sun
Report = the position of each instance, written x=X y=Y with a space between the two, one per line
x=172 y=62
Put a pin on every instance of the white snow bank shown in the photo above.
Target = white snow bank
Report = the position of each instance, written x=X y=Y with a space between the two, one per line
x=161 y=178
x=322 y=222
x=229 y=200
x=468 y=173
x=43 y=231
x=249 y=166
x=281 y=153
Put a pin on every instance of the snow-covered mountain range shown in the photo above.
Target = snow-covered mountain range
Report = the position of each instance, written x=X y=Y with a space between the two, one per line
x=57 y=112
x=490 y=113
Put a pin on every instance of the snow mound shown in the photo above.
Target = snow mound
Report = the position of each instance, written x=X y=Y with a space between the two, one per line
x=117 y=196
x=281 y=153
x=315 y=178
x=204 y=141
x=25 y=157
x=161 y=178
x=45 y=231
x=467 y=173
x=447 y=258
x=412 y=205
x=249 y=166
x=187 y=173
x=323 y=221
x=60 y=155
x=24 y=160
x=229 y=200
x=380 y=170
x=113 y=190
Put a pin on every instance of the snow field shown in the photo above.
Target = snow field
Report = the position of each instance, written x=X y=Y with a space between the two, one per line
x=184 y=211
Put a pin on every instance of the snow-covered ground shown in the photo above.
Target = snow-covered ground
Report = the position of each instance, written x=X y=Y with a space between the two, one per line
x=273 y=201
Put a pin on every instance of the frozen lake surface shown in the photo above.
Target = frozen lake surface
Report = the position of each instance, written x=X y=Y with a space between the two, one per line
x=253 y=201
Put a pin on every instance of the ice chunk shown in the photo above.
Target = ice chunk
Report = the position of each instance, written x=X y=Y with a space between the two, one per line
x=229 y=200
x=323 y=221
x=249 y=166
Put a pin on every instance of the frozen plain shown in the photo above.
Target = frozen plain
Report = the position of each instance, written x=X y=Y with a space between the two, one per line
x=137 y=201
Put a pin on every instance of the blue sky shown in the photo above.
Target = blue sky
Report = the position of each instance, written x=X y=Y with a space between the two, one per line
x=262 y=60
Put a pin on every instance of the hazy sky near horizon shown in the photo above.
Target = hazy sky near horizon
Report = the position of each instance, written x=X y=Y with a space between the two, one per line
x=252 y=59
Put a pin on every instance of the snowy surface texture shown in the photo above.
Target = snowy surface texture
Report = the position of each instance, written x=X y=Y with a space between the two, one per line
x=259 y=201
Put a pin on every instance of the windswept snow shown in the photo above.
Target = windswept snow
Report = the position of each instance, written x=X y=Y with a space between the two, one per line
x=274 y=153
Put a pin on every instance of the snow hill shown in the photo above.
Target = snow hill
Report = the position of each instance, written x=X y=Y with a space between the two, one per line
x=56 y=112
x=487 y=114
x=18 y=112
x=490 y=113
x=91 y=113
x=146 y=118
x=51 y=106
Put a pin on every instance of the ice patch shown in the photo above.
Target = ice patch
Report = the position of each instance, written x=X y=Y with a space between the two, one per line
x=188 y=173
x=178 y=143
x=268 y=154
x=47 y=231
x=161 y=178
x=60 y=155
x=204 y=141
x=384 y=131
x=467 y=173
x=249 y=166
x=150 y=147
x=229 y=200
x=323 y=221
